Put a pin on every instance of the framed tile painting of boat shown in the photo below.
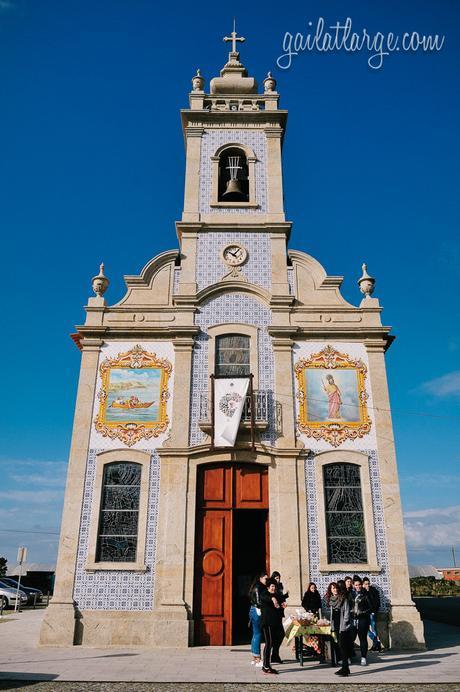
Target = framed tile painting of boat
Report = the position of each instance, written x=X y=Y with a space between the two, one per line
x=133 y=396
x=331 y=389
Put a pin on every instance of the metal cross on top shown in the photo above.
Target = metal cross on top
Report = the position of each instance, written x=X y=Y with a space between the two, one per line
x=234 y=38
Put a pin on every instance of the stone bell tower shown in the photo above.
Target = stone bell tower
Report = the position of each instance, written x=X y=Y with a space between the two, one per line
x=233 y=121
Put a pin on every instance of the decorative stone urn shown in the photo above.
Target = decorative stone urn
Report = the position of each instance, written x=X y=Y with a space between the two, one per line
x=269 y=83
x=197 y=82
x=366 y=283
x=100 y=282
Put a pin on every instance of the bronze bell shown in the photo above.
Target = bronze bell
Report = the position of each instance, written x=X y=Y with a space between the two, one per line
x=233 y=188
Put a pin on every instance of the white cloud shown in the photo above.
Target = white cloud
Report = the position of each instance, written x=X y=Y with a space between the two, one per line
x=439 y=526
x=35 y=479
x=436 y=512
x=439 y=480
x=444 y=386
x=33 y=496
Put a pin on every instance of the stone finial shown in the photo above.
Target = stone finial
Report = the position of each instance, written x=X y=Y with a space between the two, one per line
x=366 y=283
x=100 y=282
x=269 y=83
x=197 y=82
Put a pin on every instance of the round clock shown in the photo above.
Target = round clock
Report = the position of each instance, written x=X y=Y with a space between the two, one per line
x=234 y=255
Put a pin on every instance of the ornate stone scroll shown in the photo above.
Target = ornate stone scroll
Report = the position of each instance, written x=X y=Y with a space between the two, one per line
x=332 y=397
x=133 y=396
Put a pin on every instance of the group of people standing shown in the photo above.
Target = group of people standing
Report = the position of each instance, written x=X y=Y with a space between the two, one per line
x=353 y=604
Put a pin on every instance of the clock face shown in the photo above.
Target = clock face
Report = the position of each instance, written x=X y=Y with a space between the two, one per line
x=234 y=254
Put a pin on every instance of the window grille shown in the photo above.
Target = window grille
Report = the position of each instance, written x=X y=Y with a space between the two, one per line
x=346 y=539
x=233 y=355
x=119 y=514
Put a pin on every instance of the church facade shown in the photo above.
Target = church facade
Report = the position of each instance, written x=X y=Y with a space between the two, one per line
x=162 y=528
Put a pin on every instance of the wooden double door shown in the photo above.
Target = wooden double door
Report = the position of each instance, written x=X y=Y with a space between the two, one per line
x=231 y=546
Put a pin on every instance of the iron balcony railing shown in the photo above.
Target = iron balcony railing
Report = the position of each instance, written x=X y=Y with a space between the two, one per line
x=260 y=408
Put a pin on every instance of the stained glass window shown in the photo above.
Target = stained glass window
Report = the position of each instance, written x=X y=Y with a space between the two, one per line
x=118 y=520
x=232 y=355
x=346 y=539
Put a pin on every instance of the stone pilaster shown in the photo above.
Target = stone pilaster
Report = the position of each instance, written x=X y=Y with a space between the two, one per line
x=284 y=386
x=280 y=284
x=192 y=173
x=288 y=524
x=172 y=627
x=183 y=350
x=406 y=628
x=59 y=622
x=188 y=243
x=275 y=174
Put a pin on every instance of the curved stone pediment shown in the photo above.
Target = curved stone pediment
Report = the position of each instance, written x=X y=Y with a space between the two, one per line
x=311 y=284
x=154 y=285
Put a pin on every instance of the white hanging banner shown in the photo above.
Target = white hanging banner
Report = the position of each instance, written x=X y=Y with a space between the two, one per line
x=229 y=397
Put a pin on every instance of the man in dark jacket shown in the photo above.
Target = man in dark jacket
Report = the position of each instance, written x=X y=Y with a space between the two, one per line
x=374 y=597
x=361 y=612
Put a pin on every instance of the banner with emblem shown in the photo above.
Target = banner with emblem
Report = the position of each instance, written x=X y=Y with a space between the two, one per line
x=229 y=398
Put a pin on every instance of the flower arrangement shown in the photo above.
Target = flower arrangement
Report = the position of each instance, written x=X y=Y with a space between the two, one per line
x=306 y=619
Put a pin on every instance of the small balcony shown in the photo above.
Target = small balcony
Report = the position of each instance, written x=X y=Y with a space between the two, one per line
x=261 y=403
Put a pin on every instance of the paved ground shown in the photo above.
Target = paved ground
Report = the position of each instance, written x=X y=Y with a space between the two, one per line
x=216 y=687
x=220 y=669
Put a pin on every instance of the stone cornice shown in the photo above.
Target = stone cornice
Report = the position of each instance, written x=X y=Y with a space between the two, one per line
x=135 y=331
x=262 y=119
x=281 y=303
x=190 y=228
x=285 y=332
x=321 y=333
x=242 y=452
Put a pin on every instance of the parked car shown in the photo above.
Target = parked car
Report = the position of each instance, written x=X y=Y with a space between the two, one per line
x=31 y=593
x=8 y=597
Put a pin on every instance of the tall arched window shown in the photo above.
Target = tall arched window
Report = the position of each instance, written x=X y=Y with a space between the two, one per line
x=119 y=513
x=233 y=355
x=233 y=176
x=346 y=539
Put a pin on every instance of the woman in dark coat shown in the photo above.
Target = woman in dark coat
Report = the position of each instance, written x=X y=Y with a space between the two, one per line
x=279 y=634
x=342 y=624
x=332 y=595
x=311 y=601
x=270 y=622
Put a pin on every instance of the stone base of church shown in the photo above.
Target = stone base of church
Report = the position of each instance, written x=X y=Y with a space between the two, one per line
x=64 y=626
x=406 y=628
x=58 y=626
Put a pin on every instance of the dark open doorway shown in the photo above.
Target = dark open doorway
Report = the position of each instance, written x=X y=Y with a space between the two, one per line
x=250 y=542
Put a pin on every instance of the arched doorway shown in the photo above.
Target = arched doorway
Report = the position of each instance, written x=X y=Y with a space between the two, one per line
x=231 y=546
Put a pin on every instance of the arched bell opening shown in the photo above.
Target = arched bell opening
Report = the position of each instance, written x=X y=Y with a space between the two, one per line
x=233 y=176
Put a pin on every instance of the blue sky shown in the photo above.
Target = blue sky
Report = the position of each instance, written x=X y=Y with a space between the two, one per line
x=91 y=169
